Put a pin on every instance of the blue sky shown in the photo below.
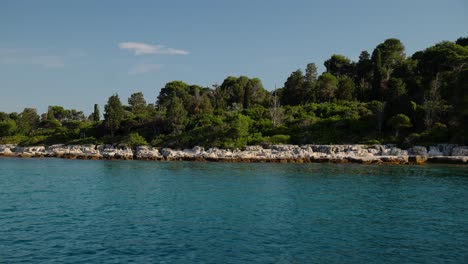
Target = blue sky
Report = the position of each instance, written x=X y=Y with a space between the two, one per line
x=78 y=53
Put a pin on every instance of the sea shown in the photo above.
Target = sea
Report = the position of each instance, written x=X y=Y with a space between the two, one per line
x=80 y=211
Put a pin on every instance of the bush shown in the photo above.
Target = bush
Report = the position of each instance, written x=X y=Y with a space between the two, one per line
x=12 y=139
x=134 y=140
x=158 y=141
x=278 y=139
x=33 y=140
x=83 y=141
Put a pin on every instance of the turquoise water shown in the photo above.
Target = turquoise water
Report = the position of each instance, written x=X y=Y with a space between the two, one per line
x=68 y=211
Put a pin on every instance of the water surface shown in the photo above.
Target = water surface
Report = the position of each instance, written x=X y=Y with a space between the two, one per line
x=69 y=211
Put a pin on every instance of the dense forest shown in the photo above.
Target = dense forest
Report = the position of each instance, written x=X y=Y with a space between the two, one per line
x=384 y=97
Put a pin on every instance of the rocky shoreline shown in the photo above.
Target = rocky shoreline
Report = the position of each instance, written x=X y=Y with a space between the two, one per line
x=363 y=154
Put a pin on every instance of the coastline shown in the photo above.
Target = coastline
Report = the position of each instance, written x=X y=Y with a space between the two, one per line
x=361 y=154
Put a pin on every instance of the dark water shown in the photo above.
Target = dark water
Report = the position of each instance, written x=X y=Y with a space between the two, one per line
x=65 y=211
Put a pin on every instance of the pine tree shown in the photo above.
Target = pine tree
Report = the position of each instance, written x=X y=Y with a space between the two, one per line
x=114 y=114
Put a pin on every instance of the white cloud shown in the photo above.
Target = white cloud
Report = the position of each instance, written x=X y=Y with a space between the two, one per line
x=144 y=68
x=143 y=48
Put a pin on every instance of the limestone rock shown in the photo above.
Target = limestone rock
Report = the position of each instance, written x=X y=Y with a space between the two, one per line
x=418 y=151
x=460 y=151
x=434 y=151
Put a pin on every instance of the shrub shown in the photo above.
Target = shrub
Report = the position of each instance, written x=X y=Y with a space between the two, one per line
x=134 y=139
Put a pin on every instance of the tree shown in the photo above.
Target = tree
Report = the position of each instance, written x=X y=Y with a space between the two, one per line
x=346 y=88
x=7 y=127
x=364 y=75
x=396 y=89
x=28 y=120
x=96 y=116
x=137 y=103
x=50 y=113
x=171 y=89
x=339 y=65
x=59 y=113
x=433 y=104
x=399 y=121
x=238 y=132
x=276 y=112
x=327 y=86
x=176 y=115
x=311 y=72
x=392 y=54
x=242 y=91
x=444 y=56
x=294 y=91
x=113 y=114
x=387 y=56
x=378 y=89
x=462 y=41
x=378 y=109
x=76 y=115
x=201 y=103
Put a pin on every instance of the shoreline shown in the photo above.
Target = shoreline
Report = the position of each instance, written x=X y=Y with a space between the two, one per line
x=359 y=154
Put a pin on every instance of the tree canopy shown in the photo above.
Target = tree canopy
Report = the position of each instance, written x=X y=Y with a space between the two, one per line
x=383 y=97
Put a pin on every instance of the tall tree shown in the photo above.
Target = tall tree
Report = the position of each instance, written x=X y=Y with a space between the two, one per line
x=114 y=114
x=176 y=115
x=137 y=103
x=387 y=56
x=346 y=88
x=171 y=89
x=96 y=114
x=378 y=109
x=50 y=113
x=339 y=65
x=327 y=86
x=294 y=91
x=311 y=72
x=276 y=112
x=243 y=91
x=28 y=120
x=433 y=104
x=378 y=89
x=364 y=76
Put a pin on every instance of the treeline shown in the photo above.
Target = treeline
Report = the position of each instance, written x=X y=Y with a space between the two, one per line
x=384 y=97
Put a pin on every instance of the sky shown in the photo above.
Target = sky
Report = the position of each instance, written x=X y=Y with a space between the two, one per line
x=78 y=53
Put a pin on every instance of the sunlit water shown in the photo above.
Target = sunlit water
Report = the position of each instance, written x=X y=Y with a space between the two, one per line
x=68 y=211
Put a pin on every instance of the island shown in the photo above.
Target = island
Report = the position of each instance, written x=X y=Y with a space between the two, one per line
x=385 y=107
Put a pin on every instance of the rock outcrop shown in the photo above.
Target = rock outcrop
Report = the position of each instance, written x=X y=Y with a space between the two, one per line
x=364 y=154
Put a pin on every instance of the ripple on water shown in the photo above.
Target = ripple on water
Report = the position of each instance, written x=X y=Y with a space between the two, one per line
x=68 y=211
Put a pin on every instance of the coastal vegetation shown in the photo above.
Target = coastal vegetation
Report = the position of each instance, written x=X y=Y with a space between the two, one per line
x=384 y=97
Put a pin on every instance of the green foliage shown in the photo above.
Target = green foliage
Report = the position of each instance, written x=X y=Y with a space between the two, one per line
x=438 y=133
x=27 y=121
x=339 y=65
x=399 y=121
x=327 y=86
x=96 y=116
x=295 y=89
x=176 y=115
x=114 y=114
x=424 y=95
x=134 y=140
x=8 y=127
x=242 y=91
x=346 y=88
x=137 y=103
x=237 y=134
x=277 y=139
